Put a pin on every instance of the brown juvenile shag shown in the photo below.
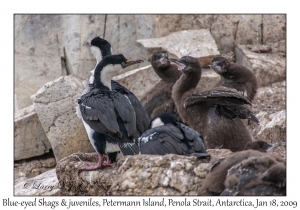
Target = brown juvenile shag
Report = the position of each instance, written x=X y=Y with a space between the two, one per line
x=158 y=99
x=235 y=76
x=216 y=113
x=246 y=172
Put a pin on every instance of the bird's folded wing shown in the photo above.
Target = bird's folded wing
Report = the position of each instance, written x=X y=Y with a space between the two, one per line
x=162 y=140
x=142 y=119
x=217 y=97
x=98 y=112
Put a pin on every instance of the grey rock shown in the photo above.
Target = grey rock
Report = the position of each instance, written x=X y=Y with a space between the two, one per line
x=138 y=81
x=268 y=67
x=55 y=105
x=32 y=168
x=44 y=184
x=227 y=30
x=37 y=57
x=135 y=175
x=30 y=139
x=269 y=106
x=196 y=43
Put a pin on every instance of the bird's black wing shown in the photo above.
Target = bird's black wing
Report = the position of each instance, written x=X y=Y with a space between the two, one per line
x=217 y=97
x=195 y=141
x=103 y=111
x=223 y=102
x=97 y=110
x=237 y=111
x=162 y=140
x=142 y=119
x=125 y=111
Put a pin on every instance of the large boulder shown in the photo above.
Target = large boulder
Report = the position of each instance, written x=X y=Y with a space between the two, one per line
x=30 y=139
x=268 y=67
x=135 y=175
x=34 y=167
x=55 y=105
x=44 y=184
x=196 y=43
x=228 y=30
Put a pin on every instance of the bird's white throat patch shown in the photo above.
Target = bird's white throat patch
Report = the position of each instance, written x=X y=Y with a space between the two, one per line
x=108 y=72
x=97 y=53
x=157 y=122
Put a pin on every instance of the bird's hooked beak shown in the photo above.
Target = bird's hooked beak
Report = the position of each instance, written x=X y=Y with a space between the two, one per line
x=129 y=63
x=88 y=44
x=217 y=67
x=180 y=66
x=163 y=59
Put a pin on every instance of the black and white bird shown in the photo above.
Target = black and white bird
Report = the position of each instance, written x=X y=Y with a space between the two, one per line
x=215 y=113
x=168 y=135
x=109 y=115
x=101 y=48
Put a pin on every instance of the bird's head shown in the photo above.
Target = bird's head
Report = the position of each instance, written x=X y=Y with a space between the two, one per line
x=187 y=64
x=220 y=65
x=100 y=48
x=163 y=119
x=160 y=59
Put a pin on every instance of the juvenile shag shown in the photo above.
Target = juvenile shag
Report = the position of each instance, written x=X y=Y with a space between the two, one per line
x=216 y=113
x=261 y=146
x=168 y=135
x=158 y=99
x=108 y=112
x=246 y=172
x=235 y=76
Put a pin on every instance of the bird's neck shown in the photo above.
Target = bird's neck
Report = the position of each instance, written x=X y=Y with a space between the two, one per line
x=103 y=77
x=169 y=73
x=186 y=83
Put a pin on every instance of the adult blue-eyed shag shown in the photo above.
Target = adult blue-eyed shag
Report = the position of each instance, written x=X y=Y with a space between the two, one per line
x=108 y=112
x=101 y=48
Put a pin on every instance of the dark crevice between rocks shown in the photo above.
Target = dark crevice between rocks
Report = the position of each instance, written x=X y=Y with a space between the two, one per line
x=236 y=29
x=105 y=19
x=45 y=156
x=68 y=67
x=262 y=30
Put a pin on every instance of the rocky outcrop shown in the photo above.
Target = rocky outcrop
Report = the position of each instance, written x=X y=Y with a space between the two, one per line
x=55 y=105
x=32 y=168
x=135 y=175
x=197 y=43
x=30 y=139
x=269 y=106
x=44 y=184
x=268 y=67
